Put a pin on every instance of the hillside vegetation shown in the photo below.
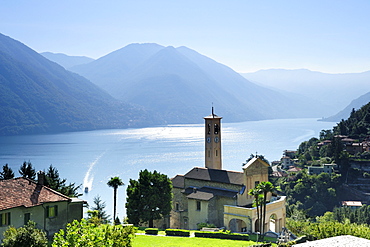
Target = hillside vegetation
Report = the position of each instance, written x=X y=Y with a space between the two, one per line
x=316 y=194
x=40 y=96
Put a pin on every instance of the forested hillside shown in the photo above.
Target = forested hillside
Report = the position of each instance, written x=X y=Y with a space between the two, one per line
x=345 y=147
x=357 y=125
x=40 y=96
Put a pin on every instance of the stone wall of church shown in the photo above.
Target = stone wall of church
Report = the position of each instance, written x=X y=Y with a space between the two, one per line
x=179 y=212
x=197 y=216
x=216 y=209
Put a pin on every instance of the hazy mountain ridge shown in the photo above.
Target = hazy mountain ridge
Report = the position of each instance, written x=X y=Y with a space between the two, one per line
x=65 y=60
x=346 y=112
x=333 y=92
x=39 y=96
x=181 y=84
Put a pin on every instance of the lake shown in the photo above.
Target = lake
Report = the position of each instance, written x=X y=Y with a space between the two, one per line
x=91 y=158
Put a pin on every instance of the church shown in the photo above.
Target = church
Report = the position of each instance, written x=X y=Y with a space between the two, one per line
x=212 y=195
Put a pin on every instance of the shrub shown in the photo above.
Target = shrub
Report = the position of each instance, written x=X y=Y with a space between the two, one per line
x=301 y=239
x=151 y=231
x=207 y=225
x=262 y=245
x=24 y=236
x=222 y=235
x=332 y=229
x=85 y=234
x=177 y=232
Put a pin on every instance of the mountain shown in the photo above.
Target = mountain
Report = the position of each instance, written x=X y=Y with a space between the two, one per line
x=346 y=112
x=333 y=92
x=40 y=96
x=181 y=84
x=65 y=60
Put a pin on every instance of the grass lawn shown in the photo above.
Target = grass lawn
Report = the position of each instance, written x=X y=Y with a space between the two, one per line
x=151 y=241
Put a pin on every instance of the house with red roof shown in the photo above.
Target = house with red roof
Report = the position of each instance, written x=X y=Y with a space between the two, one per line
x=22 y=199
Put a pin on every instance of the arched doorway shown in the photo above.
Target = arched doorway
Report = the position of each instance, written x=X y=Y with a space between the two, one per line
x=237 y=225
x=273 y=222
x=257 y=226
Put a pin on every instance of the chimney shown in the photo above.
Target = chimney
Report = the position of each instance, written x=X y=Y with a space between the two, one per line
x=40 y=178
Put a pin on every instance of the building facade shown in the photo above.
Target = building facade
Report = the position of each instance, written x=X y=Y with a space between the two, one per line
x=23 y=199
x=215 y=196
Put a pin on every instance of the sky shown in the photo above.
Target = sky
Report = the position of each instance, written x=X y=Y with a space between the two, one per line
x=331 y=36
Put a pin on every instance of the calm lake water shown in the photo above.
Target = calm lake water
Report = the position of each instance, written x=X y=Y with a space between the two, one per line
x=91 y=158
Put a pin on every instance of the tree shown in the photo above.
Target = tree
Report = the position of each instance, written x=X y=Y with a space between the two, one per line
x=148 y=198
x=53 y=181
x=114 y=183
x=97 y=214
x=7 y=173
x=256 y=193
x=27 y=171
x=265 y=188
x=326 y=135
x=25 y=236
x=82 y=233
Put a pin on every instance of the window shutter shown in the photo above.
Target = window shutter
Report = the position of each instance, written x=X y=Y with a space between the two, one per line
x=9 y=223
x=47 y=212
x=1 y=219
x=56 y=210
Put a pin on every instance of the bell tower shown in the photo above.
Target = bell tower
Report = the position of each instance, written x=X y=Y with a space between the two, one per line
x=213 y=141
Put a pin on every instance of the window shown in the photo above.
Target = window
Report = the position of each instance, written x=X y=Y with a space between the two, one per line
x=185 y=221
x=217 y=129
x=198 y=206
x=216 y=153
x=256 y=183
x=177 y=206
x=5 y=219
x=209 y=129
x=51 y=211
x=27 y=217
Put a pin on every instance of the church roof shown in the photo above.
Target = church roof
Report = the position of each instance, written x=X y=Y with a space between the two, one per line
x=253 y=161
x=206 y=193
x=215 y=175
x=212 y=115
x=178 y=181
x=200 y=195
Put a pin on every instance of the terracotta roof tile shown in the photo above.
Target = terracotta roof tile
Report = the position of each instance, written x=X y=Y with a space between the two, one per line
x=294 y=169
x=19 y=192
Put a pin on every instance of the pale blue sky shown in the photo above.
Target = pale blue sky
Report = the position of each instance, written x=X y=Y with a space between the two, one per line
x=327 y=35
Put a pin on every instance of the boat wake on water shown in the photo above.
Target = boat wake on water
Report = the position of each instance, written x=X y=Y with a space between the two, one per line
x=89 y=177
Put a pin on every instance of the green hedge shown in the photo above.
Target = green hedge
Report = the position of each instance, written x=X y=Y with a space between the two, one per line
x=151 y=231
x=177 y=232
x=262 y=245
x=222 y=235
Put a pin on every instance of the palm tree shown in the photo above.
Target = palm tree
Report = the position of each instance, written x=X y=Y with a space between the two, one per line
x=265 y=187
x=114 y=183
x=256 y=192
